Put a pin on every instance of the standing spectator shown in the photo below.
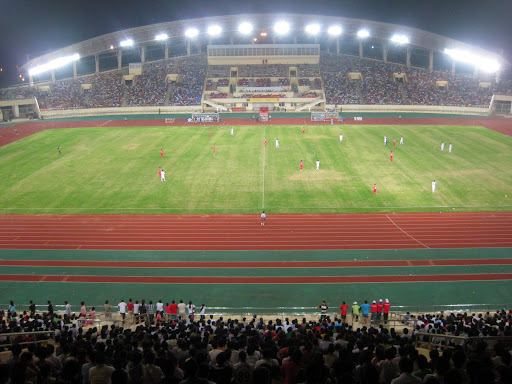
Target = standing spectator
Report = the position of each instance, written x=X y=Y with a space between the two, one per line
x=130 y=307
x=136 y=311
x=386 y=307
x=373 y=318
x=365 y=310
x=191 y=308
x=356 y=309
x=108 y=310
x=160 y=307
x=323 y=309
x=182 y=309
x=202 y=311
x=32 y=308
x=83 y=309
x=67 y=307
x=343 y=311
x=12 y=309
x=100 y=373
x=380 y=307
x=50 y=308
x=122 y=308
x=174 y=310
x=151 y=312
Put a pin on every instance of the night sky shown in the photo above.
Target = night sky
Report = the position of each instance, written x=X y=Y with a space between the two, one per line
x=36 y=26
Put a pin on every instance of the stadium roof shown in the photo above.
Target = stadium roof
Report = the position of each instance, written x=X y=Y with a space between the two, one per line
x=175 y=30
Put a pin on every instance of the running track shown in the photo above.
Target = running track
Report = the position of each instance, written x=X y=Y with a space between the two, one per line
x=244 y=232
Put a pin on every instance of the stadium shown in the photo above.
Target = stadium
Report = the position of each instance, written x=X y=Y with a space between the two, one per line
x=138 y=165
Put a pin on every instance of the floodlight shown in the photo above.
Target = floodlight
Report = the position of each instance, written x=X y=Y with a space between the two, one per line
x=161 y=36
x=363 y=33
x=57 y=63
x=126 y=43
x=111 y=47
x=483 y=63
x=282 y=27
x=245 y=28
x=214 y=30
x=334 y=30
x=255 y=39
x=263 y=34
x=313 y=29
x=400 y=39
x=191 y=32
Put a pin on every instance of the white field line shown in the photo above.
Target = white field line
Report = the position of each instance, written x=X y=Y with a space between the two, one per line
x=104 y=123
x=256 y=208
x=263 y=174
x=396 y=225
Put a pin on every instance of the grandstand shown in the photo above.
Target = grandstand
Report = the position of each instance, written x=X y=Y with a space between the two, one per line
x=366 y=72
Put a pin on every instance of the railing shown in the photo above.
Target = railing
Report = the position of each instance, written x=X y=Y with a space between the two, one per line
x=11 y=338
x=434 y=340
x=293 y=311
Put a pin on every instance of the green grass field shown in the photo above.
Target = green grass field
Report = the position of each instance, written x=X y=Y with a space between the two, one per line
x=114 y=170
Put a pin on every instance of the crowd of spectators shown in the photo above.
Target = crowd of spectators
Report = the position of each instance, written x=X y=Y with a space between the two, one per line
x=308 y=70
x=310 y=94
x=304 y=82
x=284 y=81
x=194 y=349
x=150 y=87
x=218 y=71
x=218 y=95
x=265 y=82
x=263 y=70
x=222 y=82
x=243 y=82
x=192 y=71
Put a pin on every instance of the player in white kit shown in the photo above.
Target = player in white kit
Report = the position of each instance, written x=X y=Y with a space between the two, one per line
x=433 y=186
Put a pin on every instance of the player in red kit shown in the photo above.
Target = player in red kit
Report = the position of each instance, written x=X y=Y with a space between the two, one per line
x=391 y=156
x=210 y=133
x=162 y=153
x=394 y=143
x=159 y=173
x=374 y=189
x=301 y=165
x=343 y=309
x=265 y=142
x=213 y=148
x=303 y=130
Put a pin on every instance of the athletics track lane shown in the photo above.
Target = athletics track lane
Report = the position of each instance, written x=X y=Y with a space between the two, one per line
x=243 y=232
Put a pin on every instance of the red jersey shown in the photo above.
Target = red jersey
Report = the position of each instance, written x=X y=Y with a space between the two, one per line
x=210 y=133
x=391 y=156
x=374 y=189
x=265 y=142
x=386 y=307
x=344 y=309
x=301 y=165
x=374 y=308
x=160 y=172
x=214 y=148
x=162 y=153
x=303 y=130
x=394 y=142
x=130 y=306
x=174 y=308
x=379 y=307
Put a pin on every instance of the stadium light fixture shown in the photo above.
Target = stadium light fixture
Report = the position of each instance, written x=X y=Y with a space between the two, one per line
x=313 y=29
x=245 y=28
x=263 y=34
x=400 y=39
x=161 y=37
x=126 y=43
x=57 y=63
x=214 y=30
x=334 y=30
x=282 y=27
x=483 y=63
x=191 y=33
x=363 y=33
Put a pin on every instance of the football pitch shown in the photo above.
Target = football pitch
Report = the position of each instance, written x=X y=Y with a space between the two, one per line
x=115 y=170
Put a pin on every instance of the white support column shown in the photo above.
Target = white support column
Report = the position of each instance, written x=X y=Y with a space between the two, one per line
x=498 y=77
x=338 y=46
x=385 y=53
x=119 y=59
x=97 y=61
x=143 y=55
x=360 y=49
x=74 y=70
x=453 y=66
x=31 y=79
x=16 y=111
x=431 y=61
x=53 y=76
x=166 y=50
x=188 y=48
x=232 y=40
x=408 y=58
x=295 y=39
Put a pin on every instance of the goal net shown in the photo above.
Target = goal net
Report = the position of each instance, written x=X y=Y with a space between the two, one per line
x=325 y=116
x=205 y=118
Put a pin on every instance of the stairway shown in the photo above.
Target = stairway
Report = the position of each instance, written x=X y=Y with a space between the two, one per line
x=316 y=101
x=220 y=107
x=403 y=93
x=168 y=94
x=125 y=92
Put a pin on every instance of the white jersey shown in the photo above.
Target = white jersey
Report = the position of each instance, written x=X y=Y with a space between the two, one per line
x=263 y=216
x=402 y=141
x=231 y=131
x=442 y=147
x=450 y=148
x=277 y=143
x=433 y=186
x=341 y=138
x=163 y=175
x=317 y=165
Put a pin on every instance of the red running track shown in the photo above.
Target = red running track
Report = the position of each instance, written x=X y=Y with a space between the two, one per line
x=256 y=279
x=251 y=264
x=244 y=232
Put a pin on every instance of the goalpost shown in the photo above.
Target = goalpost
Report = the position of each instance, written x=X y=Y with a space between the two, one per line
x=325 y=116
x=213 y=117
